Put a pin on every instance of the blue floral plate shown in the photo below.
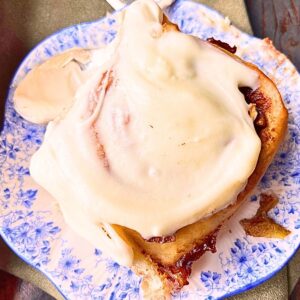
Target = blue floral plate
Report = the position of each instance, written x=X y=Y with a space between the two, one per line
x=31 y=222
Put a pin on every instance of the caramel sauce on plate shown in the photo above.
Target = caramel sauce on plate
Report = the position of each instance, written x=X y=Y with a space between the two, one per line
x=179 y=272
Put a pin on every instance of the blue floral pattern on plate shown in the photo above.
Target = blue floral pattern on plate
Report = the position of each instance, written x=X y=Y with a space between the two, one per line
x=31 y=222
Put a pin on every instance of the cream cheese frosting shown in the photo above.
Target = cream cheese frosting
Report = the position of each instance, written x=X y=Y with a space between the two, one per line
x=49 y=89
x=153 y=136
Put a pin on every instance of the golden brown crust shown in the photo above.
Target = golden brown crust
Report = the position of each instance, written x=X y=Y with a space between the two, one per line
x=261 y=225
x=150 y=256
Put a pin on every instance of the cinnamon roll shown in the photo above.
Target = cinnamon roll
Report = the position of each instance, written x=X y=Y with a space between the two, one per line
x=152 y=142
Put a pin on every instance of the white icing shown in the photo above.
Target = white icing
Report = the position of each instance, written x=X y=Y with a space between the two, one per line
x=49 y=89
x=158 y=135
x=37 y=98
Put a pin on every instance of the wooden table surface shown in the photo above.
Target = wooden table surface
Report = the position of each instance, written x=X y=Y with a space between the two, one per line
x=277 y=19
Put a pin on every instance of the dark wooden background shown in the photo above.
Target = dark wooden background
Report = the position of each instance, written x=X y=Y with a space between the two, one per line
x=276 y=19
x=280 y=21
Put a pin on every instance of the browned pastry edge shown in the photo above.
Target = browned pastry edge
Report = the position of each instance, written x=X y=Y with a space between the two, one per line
x=164 y=261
